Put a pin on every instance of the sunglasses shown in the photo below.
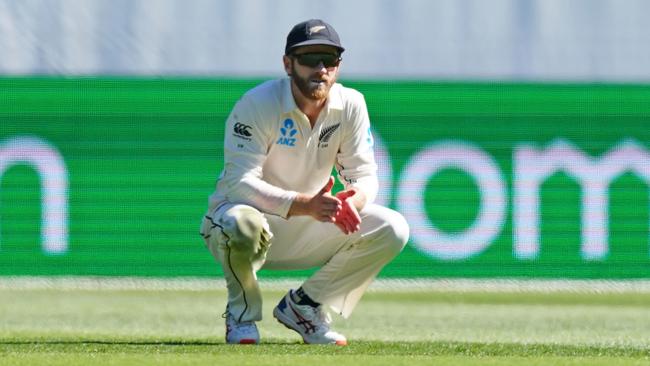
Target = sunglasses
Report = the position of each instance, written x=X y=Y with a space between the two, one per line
x=314 y=59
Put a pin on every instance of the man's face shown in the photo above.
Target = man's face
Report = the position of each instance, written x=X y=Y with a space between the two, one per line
x=313 y=69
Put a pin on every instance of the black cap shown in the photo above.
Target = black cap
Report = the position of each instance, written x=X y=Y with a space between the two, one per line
x=312 y=31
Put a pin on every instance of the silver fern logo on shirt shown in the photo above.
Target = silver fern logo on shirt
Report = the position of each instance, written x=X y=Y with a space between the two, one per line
x=326 y=134
x=287 y=133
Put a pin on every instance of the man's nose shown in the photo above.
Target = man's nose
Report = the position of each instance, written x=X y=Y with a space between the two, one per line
x=321 y=68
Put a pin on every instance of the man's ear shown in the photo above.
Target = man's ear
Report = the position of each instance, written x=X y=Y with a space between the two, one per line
x=286 y=61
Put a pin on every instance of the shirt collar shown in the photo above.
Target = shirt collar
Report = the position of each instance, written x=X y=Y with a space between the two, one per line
x=288 y=103
x=334 y=100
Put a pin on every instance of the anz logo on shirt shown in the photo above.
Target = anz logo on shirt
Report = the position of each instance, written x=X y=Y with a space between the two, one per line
x=287 y=132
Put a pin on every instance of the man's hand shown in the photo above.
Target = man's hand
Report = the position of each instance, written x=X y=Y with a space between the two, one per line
x=348 y=218
x=322 y=206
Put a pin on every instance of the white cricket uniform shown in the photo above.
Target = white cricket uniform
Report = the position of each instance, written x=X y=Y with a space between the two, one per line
x=271 y=152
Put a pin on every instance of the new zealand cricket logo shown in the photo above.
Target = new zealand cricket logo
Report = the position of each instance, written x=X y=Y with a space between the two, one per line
x=326 y=134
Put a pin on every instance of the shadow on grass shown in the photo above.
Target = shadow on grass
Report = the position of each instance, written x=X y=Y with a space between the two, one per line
x=136 y=343
x=133 y=343
x=108 y=342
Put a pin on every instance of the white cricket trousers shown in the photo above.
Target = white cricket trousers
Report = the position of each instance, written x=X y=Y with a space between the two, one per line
x=244 y=240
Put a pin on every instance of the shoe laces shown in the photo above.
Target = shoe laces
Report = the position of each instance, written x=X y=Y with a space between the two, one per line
x=241 y=326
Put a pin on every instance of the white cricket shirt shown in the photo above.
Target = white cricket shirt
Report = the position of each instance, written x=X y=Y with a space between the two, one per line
x=271 y=152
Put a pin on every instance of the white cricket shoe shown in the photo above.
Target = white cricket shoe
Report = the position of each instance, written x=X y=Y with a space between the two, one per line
x=313 y=324
x=240 y=332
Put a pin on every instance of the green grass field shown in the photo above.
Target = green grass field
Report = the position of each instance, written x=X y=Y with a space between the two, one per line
x=184 y=327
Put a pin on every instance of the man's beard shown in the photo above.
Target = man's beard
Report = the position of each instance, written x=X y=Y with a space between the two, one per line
x=310 y=89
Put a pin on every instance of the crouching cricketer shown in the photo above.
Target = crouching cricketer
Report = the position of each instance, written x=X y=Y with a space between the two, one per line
x=273 y=207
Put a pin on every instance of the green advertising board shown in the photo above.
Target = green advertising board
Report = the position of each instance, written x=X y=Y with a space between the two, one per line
x=110 y=176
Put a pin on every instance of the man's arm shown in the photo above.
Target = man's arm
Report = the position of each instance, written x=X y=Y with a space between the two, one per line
x=246 y=142
x=356 y=160
x=356 y=167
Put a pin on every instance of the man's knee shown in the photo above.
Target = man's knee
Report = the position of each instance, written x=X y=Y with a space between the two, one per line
x=393 y=230
x=244 y=228
x=397 y=232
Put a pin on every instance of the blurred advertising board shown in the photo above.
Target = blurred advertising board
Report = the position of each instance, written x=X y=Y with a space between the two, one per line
x=110 y=176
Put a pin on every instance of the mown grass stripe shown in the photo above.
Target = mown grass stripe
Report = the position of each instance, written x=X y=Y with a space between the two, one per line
x=356 y=348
